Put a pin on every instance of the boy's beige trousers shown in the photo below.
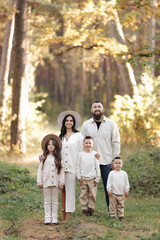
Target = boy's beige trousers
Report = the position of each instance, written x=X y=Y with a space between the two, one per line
x=116 y=205
x=88 y=194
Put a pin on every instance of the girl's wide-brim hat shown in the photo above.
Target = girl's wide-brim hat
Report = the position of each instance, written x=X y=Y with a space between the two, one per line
x=74 y=114
x=49 y=136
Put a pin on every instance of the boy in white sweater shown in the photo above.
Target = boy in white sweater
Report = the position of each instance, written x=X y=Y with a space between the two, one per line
x=118 y=188
x=88 y=174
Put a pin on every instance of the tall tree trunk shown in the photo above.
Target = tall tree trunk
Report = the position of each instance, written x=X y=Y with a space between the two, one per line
x=60 y=96
x=18 y=90
x=152 y=33
x=83 y=83
x=66 y=84
x=73 y=82
x=123 y=79
x=5 y=63
x=108 y=67
x=128 y=65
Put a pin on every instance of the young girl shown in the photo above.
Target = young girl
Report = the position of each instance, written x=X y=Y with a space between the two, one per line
x=50 y=176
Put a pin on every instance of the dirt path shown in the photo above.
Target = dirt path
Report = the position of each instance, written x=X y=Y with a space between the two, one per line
x=35 y=229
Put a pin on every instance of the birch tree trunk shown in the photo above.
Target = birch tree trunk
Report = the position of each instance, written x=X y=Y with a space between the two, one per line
x=18 y=90
x=83 y=82
x=5 y=64
x=108 y=67
x=128 y=65
x=73 y=81
x=153 y=33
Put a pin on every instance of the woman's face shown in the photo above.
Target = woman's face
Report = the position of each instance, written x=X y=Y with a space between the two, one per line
x=69 y=122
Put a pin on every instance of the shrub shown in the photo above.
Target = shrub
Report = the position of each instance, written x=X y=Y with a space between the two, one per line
x=12 y=178
x=143 y=168
x=138 y=119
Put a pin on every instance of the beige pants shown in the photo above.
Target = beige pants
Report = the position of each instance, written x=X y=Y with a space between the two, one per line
x=88 y=194
x=116 y=205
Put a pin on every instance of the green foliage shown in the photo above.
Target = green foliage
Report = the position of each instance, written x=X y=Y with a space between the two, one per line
x=26 y=201
x=11 y=177
x=18 y=191
x=138 y=119
x=143 y=168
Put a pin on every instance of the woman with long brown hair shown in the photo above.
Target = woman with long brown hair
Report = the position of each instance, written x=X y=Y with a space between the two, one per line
x=72 y=144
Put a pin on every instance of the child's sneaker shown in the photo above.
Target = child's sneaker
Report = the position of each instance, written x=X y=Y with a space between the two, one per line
x=84 y=212
x=90 y=211
x=121 y=218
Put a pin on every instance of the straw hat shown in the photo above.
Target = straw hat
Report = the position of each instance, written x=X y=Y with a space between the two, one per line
x=74 y=114
x=49 y=136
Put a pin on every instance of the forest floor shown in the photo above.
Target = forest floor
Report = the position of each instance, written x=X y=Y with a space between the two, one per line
x=22 y=214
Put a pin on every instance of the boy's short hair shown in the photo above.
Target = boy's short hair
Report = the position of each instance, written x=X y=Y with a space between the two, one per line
x=87 y=137
x=96 y=101
x=118 y=157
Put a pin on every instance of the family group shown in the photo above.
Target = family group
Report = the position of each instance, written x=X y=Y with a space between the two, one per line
x=82 y=155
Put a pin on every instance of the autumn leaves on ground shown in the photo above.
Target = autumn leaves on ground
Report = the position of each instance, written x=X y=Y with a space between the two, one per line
x=22 y=214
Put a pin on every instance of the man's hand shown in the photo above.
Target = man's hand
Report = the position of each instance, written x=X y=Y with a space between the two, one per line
x=109 y=193
x=97 y=155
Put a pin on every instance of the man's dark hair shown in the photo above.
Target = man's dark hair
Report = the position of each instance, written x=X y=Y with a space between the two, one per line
x=96 y=101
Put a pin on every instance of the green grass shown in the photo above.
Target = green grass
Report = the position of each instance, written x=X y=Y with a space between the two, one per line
x=21 y=199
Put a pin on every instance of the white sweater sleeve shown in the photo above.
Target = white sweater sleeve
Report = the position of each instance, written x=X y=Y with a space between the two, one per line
x=127 y=184
x=97 y=170
x=109 y=183
x=39 y=174
x=78 y=171
x=61 y=178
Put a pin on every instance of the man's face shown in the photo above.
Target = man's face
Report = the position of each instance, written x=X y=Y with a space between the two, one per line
x=97 y=110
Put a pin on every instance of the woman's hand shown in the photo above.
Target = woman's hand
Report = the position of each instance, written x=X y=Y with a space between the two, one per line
x=40 y=186
x=60 y=187
x=41 y=157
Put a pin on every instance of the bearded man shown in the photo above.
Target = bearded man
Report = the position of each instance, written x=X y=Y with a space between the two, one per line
x=106 y=139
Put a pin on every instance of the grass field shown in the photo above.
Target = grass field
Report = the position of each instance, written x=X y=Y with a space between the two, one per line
x=22 y=214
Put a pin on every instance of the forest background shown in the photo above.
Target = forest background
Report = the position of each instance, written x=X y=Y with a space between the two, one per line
x=59 y=55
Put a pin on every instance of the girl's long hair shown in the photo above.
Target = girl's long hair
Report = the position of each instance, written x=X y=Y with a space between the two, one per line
x=56 y=154
x=63 y=128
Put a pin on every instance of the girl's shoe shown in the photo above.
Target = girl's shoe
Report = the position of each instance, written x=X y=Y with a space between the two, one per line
x=47 y=223
x=55 y=221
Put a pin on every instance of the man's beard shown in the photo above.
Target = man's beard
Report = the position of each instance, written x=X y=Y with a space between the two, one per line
x=97 y=116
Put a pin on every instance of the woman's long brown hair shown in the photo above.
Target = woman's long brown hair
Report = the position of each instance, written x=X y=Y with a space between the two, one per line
x=56 y=154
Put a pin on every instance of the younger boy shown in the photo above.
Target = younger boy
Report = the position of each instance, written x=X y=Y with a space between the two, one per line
x=88 y=174
x=118 y=188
